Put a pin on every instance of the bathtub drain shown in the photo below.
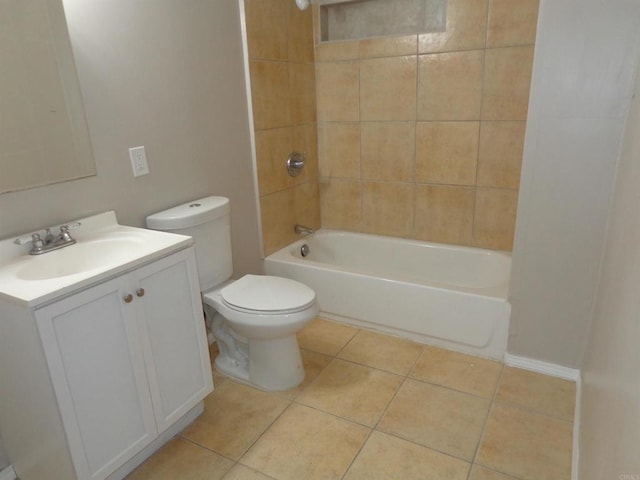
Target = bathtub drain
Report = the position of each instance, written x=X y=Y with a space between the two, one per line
x=304 y=250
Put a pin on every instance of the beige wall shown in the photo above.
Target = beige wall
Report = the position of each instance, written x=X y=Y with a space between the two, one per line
x=167 y=75
x=580 y=93
x=280 y=44
x=421 y=136
x=610 y=424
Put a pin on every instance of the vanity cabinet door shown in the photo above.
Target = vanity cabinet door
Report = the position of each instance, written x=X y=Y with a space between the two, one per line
x=174 y=338
x=91 y=341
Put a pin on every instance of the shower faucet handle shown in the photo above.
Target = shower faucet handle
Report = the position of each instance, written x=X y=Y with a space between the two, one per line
x=295 y=163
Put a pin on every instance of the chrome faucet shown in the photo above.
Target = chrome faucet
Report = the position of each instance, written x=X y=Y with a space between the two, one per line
x=303 y=230
x=50 y=241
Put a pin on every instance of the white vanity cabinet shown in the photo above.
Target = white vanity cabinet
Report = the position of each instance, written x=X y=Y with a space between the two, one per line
x=126 y=358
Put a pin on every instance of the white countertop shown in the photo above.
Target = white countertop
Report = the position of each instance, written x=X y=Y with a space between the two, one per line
x=98 y=235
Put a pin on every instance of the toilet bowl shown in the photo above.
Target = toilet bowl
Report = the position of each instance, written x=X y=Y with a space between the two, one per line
x=254 y=320
x=255 y=327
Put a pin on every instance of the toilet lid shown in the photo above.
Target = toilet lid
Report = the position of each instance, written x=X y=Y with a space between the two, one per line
x=268 y=294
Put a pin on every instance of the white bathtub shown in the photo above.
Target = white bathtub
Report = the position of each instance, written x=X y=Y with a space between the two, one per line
x=454 y=297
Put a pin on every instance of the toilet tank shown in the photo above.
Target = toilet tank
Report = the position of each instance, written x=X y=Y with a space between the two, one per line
x=207 y=220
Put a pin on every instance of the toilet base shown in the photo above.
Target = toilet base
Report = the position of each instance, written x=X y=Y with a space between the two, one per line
x=274 y=364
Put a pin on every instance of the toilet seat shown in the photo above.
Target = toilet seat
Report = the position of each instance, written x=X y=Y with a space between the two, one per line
x=265 y=294
x=264 y=324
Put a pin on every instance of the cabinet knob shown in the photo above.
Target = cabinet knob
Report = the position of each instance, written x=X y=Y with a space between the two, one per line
x=128 y=298
x=140 y=292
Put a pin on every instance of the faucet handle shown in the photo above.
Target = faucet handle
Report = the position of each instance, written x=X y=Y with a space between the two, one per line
x=31 y=238
x=69 y=226
x=37 y=244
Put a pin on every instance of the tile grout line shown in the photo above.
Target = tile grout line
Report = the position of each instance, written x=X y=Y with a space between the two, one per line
x=374 y=428
x=262 y=434
x=486 y=420
x=532 y=410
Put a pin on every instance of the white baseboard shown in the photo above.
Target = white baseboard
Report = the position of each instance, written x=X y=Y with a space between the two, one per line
x=565 y=373
x=8 y=474
x=576 y=431
x=539 y=366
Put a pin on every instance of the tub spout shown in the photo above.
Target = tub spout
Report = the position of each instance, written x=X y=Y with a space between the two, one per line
x=303 y=230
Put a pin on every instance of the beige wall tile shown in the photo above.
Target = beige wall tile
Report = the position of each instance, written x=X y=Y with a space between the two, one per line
x=339 y=150
x=338 y=91
x=500 y=154
x=325 y=337
x=466 y=28
x=385 y=456
x=302 y=81
x=307 y=200
x=450 y=86
x=278 y=220
x=340 y=205
x=270 y=94
x=301 y=434
x=299 y=33
x=512 y=23
x=305 y=140
x=336 y=51
x=387 y=208
x=446 y=152
x=495 y=218
x=507 y=80
x=542 y=393
x=272 y=150
x=266 y=22
x=444 y=214
x=388 y=88
x=351 y=391
x=465 y=373
x=451 y=424
x=388 y=151
x=389 y=46
x=526 y=445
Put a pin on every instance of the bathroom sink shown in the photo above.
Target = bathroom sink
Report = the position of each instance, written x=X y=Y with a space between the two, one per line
x=103 y=249
x=80 y=258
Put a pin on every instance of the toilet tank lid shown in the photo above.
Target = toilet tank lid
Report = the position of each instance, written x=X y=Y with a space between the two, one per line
x=189 y=214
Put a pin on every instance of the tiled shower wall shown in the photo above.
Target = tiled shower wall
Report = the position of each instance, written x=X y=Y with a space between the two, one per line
x=421 y=136
x=281 y=58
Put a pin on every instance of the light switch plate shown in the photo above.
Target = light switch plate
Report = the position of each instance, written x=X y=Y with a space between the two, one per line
x=138 y=161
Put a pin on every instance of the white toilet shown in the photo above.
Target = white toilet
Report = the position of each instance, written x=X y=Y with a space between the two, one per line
x=253 y=319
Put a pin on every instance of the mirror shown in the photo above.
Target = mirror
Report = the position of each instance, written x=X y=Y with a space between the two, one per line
x=44 y=137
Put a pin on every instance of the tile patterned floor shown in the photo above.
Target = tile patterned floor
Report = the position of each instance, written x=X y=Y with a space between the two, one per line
x=374 y=406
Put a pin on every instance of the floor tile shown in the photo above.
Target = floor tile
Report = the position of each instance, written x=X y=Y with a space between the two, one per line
x=526 y=445
x=481 y=473
x=313 y=363
x=306 y=444
x=436 y=417
x=545 y=394
x=393 y=354
x=352 y=391
x=326 y=337
x=184 y=460
x=386 y=457
x=240 y=472
x=235 y=415
x=458 y=371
